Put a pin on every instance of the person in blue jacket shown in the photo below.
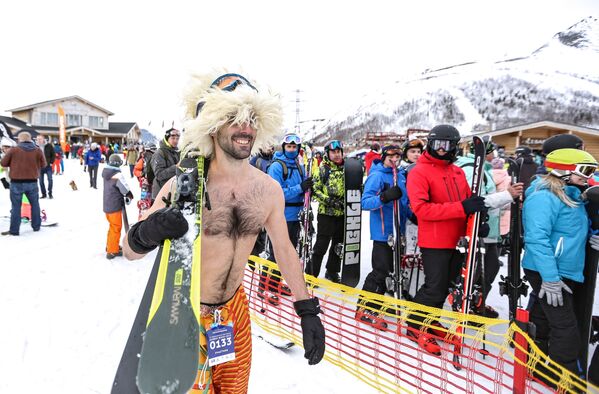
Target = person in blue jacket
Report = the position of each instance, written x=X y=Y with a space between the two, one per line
x=286 y=169
x=556 y=230
x=92 y=161
x=379 y=194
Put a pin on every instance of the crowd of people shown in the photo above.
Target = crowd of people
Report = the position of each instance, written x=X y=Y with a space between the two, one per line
x=259 y=212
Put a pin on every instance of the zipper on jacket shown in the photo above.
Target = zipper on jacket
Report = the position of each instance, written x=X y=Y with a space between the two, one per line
x=457 y=189
x=447 y=188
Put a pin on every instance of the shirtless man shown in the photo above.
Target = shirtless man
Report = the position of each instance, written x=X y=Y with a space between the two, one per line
x=228 y=118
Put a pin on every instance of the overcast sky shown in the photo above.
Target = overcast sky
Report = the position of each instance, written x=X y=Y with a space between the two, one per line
x=134 y=57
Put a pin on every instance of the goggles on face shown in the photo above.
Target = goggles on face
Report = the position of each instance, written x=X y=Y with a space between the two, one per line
x=229 y=82
x=335 y=144
x=583 y=170
x=292 y=139
x=393 y=152
x=446 y=145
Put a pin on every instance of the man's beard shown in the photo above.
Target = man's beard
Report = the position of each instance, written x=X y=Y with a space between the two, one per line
x=235 y=150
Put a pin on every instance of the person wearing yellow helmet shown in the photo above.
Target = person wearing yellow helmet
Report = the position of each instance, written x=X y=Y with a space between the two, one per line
x=556 y=231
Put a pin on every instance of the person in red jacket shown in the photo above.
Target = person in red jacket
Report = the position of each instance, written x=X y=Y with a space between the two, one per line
x=373 y=154
x=441 y=199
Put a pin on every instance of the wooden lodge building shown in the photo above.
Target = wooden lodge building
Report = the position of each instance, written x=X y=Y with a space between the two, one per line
x=85 y=122
x=534 y=134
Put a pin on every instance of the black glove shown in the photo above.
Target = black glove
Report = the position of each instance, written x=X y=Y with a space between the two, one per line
x=393 y=193
x=483 y=229
x=312 y=329
x=128 y=197
x=5 y=183
x=166 y=223
x=474 y=204
x=307 y=184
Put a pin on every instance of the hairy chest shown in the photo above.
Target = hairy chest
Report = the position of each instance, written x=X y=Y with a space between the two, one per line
x=235 y=214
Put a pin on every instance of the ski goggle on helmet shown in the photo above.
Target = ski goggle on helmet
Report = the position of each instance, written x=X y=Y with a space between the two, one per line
x=292 y=139
x=446 y=145
x=228 y=83
x=564 y=162
x=333 y=145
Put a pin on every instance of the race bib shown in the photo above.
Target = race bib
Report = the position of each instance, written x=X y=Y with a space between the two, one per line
x=221 y=345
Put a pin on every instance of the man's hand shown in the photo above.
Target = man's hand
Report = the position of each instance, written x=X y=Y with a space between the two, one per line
x=516 y=189
x=391 y=194
x=166 y=223
x=312 y=329
x=474 y=204
x=307 y=184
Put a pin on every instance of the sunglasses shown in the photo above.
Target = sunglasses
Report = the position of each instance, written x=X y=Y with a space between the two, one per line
x=228 y=83
x=335 y=144
x=583 y=170
x=292 y=139
x=446 y=145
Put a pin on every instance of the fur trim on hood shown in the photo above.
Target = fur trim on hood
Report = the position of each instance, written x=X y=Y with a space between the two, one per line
x=261 y=109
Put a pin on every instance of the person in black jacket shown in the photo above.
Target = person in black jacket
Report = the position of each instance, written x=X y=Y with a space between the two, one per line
x=165 y=159
x=528 y=167
x=48 y=150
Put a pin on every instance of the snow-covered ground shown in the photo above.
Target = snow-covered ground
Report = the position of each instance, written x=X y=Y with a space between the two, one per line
x=67 y=310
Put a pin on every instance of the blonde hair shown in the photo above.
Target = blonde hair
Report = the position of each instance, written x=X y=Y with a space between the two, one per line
x=24 y=136
x=261 y=109
x=556 y=186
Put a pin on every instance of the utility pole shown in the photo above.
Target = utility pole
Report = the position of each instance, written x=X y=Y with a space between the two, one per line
x=297 y=110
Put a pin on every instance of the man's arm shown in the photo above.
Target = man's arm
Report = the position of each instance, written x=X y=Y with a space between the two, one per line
x=158 y=204
x=285 y=253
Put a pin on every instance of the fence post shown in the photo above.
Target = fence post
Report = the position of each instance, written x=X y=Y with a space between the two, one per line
x=522 y=321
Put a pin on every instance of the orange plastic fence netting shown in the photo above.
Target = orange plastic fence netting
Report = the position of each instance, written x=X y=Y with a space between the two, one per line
x=495 y=356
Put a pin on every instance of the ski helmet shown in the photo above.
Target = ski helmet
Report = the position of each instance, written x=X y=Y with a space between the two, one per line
x=410 y=144
x=375 y=147
x=444 y=137
x=390 y=150
x=115 y=160
x=151 y=147
x=332 y=145
x=291 y=138
x=562 y=141
x=523 y=151
x=564 y=162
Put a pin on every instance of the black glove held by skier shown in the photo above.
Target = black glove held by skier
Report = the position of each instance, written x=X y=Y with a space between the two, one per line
x=484 y=229
x=128 y=197
x=474 y=204
x=307 y=184
x=166 y=223
x=312 y=329
x=5 y=183
x=393 y=193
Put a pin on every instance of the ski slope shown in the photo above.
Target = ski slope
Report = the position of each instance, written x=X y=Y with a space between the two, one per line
x=68 y=310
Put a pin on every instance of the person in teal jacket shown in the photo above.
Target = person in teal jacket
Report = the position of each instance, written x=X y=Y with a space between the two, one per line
x=556 y=230
x=494 y=201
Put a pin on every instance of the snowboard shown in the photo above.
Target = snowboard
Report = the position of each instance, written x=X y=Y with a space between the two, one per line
x=353 y=173
x=125 y=378
x=584 y=297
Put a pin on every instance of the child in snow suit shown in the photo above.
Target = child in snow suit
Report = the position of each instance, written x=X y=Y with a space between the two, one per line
x=116 y=195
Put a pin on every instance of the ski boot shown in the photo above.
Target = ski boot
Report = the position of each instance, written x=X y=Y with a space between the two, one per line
x=372 y=318
x=425 y=340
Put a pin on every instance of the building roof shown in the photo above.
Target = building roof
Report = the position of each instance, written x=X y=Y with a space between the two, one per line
x=60 y=99
x=542 y=124
x=120 y=127
x=14 y=122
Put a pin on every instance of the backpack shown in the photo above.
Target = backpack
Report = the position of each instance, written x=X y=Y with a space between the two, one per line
x=285 y=169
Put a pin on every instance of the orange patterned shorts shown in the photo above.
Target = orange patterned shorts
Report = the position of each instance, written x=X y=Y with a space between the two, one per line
x=232 y=376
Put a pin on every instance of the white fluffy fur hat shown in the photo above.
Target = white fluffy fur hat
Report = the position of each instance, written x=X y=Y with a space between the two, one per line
x=262 y=109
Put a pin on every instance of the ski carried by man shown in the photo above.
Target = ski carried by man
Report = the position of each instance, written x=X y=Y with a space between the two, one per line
x=305 y=244
x=512 y=285
x=461 y=297
x=169 y=354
